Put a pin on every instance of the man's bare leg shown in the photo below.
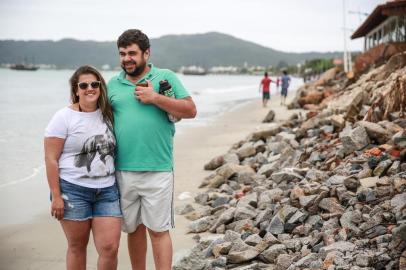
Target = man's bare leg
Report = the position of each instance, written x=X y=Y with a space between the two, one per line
x=137 y=247
x=162 y=249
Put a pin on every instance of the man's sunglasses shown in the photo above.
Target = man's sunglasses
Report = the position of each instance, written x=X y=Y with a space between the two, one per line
x=85 y=85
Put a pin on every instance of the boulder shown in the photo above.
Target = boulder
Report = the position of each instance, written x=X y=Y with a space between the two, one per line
x=354 y=139
x=375 y=131
x=269 y=117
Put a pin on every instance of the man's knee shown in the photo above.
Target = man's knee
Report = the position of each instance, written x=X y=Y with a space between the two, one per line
x=158 y=235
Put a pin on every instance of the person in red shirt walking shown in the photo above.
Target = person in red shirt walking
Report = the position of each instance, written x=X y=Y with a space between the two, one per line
x=265 y=85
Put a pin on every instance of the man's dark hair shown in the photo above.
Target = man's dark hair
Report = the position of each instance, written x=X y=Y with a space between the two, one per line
x=285 y=72
x=266 y=74
x=133 y=36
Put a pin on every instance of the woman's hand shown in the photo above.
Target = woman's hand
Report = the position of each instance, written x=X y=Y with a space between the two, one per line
x=57 y=207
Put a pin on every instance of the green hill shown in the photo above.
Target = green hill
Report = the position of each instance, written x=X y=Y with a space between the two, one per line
x=171 y=51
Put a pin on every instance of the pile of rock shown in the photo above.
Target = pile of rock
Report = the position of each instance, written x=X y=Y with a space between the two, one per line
x=315 y=95
x=325 y=193
x=380 y=92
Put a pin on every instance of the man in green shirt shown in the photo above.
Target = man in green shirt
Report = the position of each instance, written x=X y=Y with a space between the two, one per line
x=144 y=134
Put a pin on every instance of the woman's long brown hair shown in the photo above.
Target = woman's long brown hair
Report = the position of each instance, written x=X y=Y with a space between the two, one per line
x=103 y=102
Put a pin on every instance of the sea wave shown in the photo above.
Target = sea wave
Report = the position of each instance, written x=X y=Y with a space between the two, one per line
x=34 y=173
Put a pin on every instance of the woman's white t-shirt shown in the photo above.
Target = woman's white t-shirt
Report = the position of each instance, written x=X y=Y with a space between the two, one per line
x=87 y=157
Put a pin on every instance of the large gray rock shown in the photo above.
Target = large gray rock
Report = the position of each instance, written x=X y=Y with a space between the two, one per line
x=369 y=182
x=283 y=261
x=336 y=180
x=253 y=239
x=268 y=169
x=307 y=260
x=364 y=259
x=277 y=147
x=277 y=225
x=200 y=225
x=231 y=158
x=225 y=172
x=332 y=205
x=287 y=175
x=382 y=167
x=394 y=168
x=341 y=246
x=398 y=202
x=200 y=212
x=354 y=139
x=245 y=212
x=346 y=221
x=236 y=256
x=269 y=117
x=400 y=139
x=285 y=136
x=306 y=201
x=228 y=170
x=264 y=215
x=248 y=200
x=241 y=226
x=226 y=217
x=246 y=150
x=350 y=99
x=375 y=131
x=214 y=163
x=338 y=120
x=221 y=249
x=194 y=259
x=265 y=132
x=272 y=253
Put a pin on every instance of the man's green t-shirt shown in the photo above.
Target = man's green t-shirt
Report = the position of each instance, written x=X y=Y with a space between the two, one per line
x=143 y=132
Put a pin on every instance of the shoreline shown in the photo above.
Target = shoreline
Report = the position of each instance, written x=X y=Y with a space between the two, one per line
x=40 y=243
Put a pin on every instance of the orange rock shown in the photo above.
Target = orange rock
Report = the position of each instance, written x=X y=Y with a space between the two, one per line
x=239 y=195
x=374 y=152
x=311 y=114
x=390 y=228
x=328 y=261
x=394 y=153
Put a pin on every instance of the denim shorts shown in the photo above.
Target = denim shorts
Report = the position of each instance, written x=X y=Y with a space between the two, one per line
x=82 y=203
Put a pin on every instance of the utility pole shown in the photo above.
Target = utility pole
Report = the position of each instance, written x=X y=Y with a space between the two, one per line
x=346 y=53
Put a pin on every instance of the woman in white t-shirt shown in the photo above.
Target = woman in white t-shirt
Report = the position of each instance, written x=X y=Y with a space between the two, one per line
x=79 y=157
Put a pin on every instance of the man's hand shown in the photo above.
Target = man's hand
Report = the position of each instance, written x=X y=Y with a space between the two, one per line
x=145 y=95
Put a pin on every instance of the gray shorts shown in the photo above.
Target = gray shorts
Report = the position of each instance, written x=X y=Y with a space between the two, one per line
x=284 y=92
x=146 y=198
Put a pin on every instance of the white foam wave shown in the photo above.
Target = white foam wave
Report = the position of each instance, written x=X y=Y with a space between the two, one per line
x=18 y=181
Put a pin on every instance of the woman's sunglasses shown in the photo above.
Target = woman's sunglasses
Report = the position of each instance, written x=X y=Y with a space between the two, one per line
x=85 y=85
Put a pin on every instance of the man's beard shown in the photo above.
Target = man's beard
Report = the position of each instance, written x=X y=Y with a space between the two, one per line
x=138 y=69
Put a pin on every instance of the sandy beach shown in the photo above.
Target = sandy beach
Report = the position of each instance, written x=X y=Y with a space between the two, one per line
x=39 y=243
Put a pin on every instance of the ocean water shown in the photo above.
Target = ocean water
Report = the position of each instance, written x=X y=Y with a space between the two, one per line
x=29 y=99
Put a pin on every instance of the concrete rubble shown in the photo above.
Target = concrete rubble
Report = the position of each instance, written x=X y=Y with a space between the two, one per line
x=325 y=192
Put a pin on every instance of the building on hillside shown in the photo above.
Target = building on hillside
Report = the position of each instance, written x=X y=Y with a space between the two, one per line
x=384 y=32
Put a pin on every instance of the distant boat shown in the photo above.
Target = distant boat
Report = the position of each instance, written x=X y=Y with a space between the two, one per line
x=193 y=70
x=24 y=67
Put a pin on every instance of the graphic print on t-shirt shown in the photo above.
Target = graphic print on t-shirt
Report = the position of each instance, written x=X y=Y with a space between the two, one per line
x=97 y=155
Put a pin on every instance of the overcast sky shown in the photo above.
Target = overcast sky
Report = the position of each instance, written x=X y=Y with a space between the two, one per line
x=286 y=25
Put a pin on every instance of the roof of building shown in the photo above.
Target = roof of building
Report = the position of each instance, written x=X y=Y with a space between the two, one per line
x=380 y=14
